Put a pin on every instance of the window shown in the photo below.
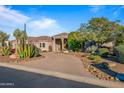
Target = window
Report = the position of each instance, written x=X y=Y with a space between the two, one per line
x=42 y=45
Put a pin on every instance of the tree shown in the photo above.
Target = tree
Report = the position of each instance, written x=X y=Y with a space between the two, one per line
x=104 y=29
x=23 y=38
x=99 y=24
x=118 y=36
x=3 y=37
x=87 y=33
x=103 y=24
x=98 y=30
x=77 y=39
x=74 y=41
x=20 y=36
x=17 y=34
x=102 y=37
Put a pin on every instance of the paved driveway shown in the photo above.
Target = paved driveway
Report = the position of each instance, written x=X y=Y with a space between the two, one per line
x=21 y=79
x=59 y=62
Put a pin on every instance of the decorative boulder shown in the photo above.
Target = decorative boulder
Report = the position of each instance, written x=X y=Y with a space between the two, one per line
x=66 y=51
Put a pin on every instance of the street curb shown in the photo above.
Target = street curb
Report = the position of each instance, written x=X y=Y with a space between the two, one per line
x=93 y=81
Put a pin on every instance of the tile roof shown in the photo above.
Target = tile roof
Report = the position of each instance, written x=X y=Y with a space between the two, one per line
x=36 y=39
x=40 y=38
x=44 y=38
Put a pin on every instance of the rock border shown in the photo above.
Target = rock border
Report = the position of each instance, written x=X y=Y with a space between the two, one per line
x=97 y=72
x=93 y=70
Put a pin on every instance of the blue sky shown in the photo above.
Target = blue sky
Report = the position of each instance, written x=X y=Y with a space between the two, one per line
x=51 y=20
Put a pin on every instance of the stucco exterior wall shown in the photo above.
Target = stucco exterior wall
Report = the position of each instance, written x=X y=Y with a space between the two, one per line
x=51 y=43
x=37 y=44
x=14 y=43
x=47 y=45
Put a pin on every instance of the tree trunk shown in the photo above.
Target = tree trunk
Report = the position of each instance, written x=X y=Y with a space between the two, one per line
x=17 y=41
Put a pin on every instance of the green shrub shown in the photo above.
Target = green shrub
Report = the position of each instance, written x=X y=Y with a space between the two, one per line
x=5 y=51
x=37 y=52
x=74 y=45
x=95 y=58
x=28 y=51
x=103 y=51
x=120 y=51
x=92 y=49
x=104 y=65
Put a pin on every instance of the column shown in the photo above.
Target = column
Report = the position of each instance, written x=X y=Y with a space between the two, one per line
x=54 y=44
x=62 y=39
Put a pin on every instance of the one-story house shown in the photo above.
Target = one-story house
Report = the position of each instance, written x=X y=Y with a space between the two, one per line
x=56 y=43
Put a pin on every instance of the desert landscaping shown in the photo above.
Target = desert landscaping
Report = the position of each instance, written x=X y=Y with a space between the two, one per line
x=95 y=50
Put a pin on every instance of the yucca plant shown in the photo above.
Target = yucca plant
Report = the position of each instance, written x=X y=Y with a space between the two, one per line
x=19 y=51
x=27 y=51
x=5 y=51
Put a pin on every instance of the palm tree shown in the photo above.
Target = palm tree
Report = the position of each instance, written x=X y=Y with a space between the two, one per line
x=17 y=34
x=23 y=38
x=3 y=37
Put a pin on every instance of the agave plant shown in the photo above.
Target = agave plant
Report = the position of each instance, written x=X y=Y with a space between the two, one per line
x=19 y=51
x=27 y=51
x=5 y=51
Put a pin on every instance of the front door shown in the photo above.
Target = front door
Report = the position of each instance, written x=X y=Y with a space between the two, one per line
x=58 y=45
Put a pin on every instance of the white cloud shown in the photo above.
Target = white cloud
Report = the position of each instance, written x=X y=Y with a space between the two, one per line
x=13 y=16
x=11 y=19
x=45 y=26
x=43 y=23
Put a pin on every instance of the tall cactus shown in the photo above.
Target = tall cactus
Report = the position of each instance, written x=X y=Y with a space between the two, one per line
x=27 y=52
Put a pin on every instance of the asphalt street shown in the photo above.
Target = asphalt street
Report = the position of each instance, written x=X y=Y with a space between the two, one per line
x=11 y=78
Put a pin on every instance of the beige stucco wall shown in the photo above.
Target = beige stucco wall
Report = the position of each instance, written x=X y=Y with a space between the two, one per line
x=14 y=43
x=37 y=44
x=52 y=43
x=47 y=44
